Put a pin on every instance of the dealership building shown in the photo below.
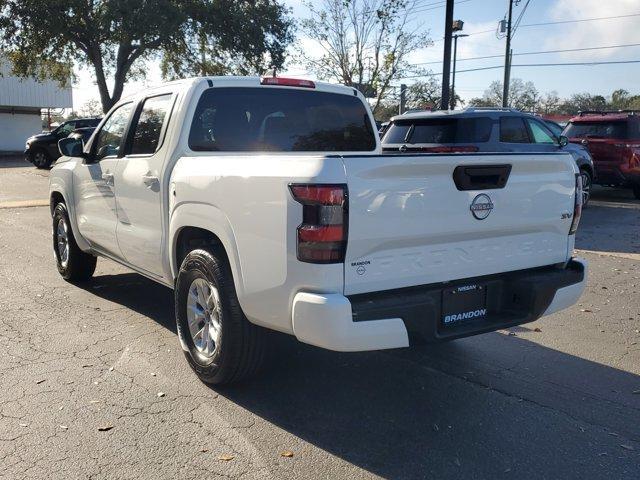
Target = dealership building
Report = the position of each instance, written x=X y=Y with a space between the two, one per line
x=21 y=103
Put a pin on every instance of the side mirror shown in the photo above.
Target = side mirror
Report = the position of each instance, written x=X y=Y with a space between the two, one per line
x=563 y=141
x=71 y=147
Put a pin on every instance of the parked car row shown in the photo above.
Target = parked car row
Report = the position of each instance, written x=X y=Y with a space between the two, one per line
x=500 y=130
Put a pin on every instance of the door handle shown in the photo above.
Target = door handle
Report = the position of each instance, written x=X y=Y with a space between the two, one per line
x=149 y=180
x=108 y=178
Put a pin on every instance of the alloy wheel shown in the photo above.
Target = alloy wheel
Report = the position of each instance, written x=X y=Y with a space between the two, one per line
x=62 y=241
x=204 y=316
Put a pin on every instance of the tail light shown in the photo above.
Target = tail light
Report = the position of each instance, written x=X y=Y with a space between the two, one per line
x=322 y=236
x=577 y=206
x=287 y=82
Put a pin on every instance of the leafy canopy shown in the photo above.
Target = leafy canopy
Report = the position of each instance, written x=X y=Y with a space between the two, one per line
x=116 y=37
x=362 y=43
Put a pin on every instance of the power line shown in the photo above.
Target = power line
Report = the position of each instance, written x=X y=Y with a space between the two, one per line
x=519 y=19
x=420 y=9
x=579 y=20
x=540 y=52
x=556 y=23
x=586 y=64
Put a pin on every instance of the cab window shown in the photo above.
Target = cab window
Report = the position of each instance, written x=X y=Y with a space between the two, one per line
x=109 y=138
x=148 y=128
x=270 y=119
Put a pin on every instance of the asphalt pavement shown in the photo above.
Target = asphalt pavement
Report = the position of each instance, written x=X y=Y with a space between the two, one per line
x=93 y=383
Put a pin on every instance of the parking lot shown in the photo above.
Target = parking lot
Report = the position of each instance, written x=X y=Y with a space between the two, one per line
x=93 y=383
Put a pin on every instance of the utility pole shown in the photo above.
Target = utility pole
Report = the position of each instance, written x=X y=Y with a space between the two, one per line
x=507 y=60
x=446 y=60
x=403 y=98
x=453 y=78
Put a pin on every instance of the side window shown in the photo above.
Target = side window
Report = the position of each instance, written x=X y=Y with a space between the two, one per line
x=66 y=129
x=109 y=138
x=540 y=134
x=513 y=130
x=146 y=134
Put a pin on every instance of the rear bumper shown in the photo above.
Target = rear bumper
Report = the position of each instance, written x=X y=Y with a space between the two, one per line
x=396 y=318
x=618 y=174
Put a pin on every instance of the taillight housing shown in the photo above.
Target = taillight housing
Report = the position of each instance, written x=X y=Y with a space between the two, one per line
x=577 y=206
x=322 y=235
x=287 y=82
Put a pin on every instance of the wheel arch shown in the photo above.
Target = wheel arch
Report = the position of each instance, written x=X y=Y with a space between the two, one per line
x=55 y=198
x=197 y=225
x=588 y=168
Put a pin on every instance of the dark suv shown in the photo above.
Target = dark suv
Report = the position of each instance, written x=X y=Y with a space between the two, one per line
x=613 y=138
x=42 y=149
x=481 y=130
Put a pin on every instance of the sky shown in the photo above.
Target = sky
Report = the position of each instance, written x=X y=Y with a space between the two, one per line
x=483 y=15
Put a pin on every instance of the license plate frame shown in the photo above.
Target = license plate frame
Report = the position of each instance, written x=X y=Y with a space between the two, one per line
x=462 y=304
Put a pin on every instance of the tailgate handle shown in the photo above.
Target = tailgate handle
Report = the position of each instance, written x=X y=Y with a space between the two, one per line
x=481 y=177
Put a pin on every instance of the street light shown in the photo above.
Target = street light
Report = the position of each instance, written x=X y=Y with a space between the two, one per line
x=453 y=79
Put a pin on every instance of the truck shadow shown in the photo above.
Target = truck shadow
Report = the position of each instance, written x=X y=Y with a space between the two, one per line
x=492 y=406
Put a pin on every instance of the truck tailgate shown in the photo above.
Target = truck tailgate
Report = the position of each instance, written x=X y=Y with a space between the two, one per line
x=410 y=224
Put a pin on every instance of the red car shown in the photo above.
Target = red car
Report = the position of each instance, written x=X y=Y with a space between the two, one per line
x=613 y=139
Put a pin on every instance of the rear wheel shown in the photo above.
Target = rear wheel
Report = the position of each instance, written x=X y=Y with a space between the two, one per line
x=41 y=159
x=587 y=182
x=73 y=264
x=636 y=191
x=219 y=343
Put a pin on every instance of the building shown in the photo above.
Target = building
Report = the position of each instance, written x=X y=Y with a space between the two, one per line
x=21 y=101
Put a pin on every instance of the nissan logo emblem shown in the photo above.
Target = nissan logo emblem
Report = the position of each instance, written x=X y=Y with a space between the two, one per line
x=481 y=206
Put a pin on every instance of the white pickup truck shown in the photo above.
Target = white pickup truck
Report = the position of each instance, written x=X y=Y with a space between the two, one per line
x=267 y=204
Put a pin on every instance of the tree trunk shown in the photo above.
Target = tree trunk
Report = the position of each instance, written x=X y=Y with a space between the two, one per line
x=95 y=57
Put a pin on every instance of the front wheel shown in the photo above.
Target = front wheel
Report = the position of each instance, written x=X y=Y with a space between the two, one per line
x=40 y=159
x=73 y=264
x=587 y=183
x=218 y=341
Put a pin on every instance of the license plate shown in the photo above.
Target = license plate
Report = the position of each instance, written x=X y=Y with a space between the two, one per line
x=464 y=303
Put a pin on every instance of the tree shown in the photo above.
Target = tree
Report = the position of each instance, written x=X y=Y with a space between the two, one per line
x=583 y=101
x=424 y=94
x=116 y=37
x=90 y=108
x=363 y=43
x=620 y=99
x=522 y=96
x=549 y=102
x=386 y=110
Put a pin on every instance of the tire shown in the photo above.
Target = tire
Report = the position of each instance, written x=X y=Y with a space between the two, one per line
x=218 y=341
x=636 y=191
x=73 y=264
x=587 y=184
x=40 y=158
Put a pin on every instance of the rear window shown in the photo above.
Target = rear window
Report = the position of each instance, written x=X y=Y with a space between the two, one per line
x=440 y=130
x=597 y=129
x=280 y=120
